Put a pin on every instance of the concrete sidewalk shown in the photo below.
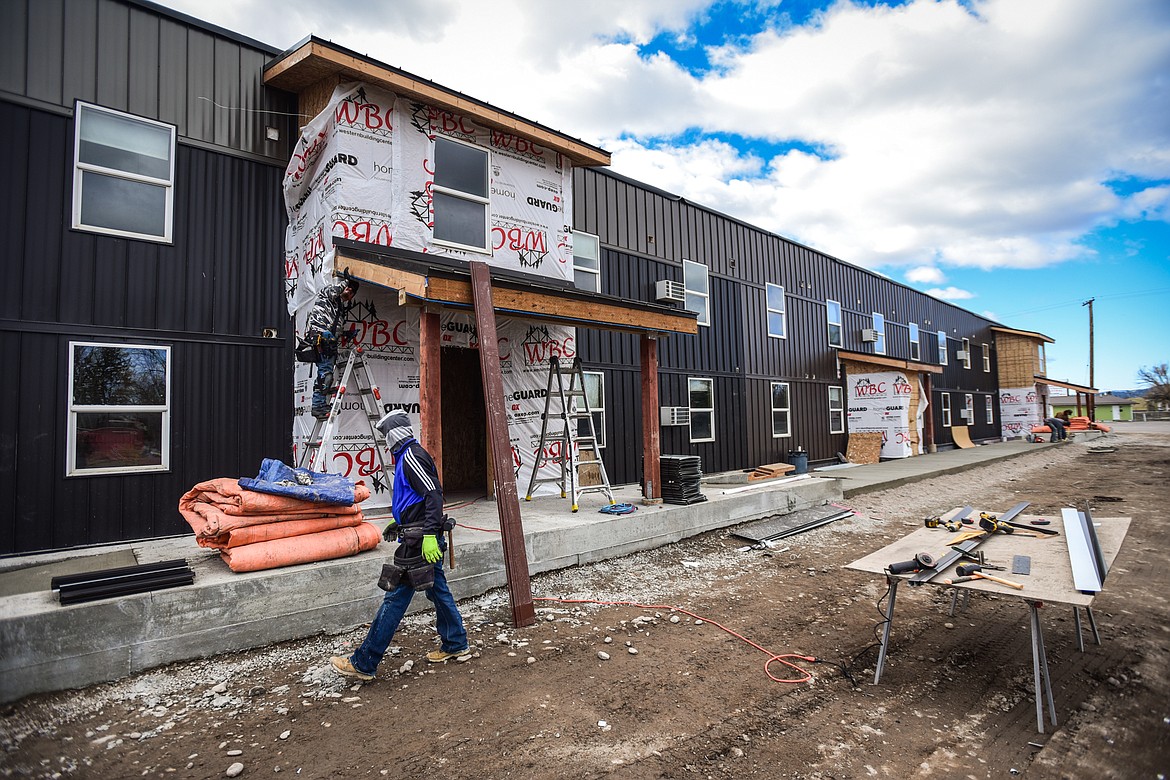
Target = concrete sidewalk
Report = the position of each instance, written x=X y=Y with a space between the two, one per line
x=45 y=646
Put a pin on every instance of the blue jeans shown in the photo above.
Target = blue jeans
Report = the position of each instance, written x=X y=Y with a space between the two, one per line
x=1057 y=426
x=448 y=621
x=328 y=358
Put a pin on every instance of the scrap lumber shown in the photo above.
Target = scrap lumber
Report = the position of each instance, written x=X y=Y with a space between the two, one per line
x=770 y=471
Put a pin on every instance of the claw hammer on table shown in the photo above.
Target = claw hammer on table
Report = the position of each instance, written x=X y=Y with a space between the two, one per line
x=975 y=570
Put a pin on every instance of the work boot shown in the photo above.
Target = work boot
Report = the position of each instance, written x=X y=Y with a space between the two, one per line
x=321 y=412
x=439 y=656
x=345 y=667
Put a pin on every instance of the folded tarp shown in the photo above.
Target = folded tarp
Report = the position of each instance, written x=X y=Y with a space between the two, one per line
x=265 y=532
x=322 y=546
x=277 y=479
x=227 y=495
x=209 y=520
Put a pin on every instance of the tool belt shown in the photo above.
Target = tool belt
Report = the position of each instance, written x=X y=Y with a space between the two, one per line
x=409 y=565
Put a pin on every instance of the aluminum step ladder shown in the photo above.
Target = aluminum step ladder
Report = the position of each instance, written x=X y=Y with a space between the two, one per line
x=356 y=370
x=575 y=416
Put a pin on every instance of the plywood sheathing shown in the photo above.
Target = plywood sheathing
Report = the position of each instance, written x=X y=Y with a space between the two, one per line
x=1018 y=359
x=864 y=448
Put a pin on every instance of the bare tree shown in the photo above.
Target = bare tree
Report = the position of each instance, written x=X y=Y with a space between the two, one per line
x=1158 y=378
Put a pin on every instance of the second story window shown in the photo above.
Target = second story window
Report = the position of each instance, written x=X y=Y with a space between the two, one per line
x=915 y=342
x=942 y=347
x=833 y=320
x=879 y=325
x=777 y=322
x=460 y=197
x=966 y=353
x=586 y=261
x=1040 y=352
x=123 y=174
x=986 y=359
x=697 y=284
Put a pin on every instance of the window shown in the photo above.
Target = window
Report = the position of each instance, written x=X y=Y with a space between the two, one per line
x=123 y=174
x=1040 y=350
x=833 y=316
x=777 y=325
x=990 y=409
x=119 y=409
x=969 y=409
x=967 y=353
x=879 y=325
x=915 y=342
x=701 y=394
x=942 y=347
x=987 y=359
x=836 y=410
x=697 y=285
x=460 y=195
x=946 y=410
x=595 y=395
x=780 y=410
x=586 y=261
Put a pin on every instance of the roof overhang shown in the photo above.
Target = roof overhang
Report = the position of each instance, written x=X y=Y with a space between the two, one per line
x=314 y=60
x=434 y=281
x=1025 y=333
x=882 y=360
x=1066 y=385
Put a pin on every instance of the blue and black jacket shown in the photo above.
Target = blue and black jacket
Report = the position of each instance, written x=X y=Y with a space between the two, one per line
x=418 y=496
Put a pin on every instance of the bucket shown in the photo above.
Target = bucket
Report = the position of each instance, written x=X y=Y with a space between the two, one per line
x=799 y=459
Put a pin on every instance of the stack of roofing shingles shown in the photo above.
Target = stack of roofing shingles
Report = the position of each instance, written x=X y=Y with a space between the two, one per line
x=254 y=530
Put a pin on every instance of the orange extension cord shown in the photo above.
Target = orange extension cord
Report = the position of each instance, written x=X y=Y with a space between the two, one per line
x=772 y=657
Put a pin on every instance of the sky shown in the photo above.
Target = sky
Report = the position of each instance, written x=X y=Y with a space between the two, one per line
x=1009 y=156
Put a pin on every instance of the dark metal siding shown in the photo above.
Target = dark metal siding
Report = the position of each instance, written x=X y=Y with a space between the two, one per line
x=149 y=62
x=645 y=235
x=208 y=296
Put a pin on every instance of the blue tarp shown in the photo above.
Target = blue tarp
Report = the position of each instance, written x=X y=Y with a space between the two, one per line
x=281 y=480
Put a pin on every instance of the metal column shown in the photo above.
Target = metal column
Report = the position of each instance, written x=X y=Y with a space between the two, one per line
x=1043 y=682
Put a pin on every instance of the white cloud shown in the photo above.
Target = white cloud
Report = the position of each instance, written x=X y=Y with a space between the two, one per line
x=950 y=293
x=925 y=274
x=976 y=134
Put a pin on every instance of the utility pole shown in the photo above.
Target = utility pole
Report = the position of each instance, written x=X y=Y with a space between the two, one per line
x=1092 y=398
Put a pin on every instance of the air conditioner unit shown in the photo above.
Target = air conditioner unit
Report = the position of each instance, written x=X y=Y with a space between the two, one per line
x=674 y=415
x=869 y=334
x=963 y=414
x=670 y=290
x=962 y=355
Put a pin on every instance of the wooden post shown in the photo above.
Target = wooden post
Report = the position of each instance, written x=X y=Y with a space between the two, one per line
x=651 y=439
x=507 y=502
x=430 y=387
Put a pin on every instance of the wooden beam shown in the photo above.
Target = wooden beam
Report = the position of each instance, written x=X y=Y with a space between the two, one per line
x=410 y=283
x=928 y=416
x=430 y=393
x=879 y=360
x=651 y=437
x=507 y=501
x=316 y=60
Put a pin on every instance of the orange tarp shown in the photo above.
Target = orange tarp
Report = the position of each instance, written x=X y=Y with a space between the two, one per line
x=267 y=532
x=321 y=546
x=209 y=520
x=235 y=500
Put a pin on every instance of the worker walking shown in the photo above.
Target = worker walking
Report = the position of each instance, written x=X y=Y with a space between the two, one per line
x=321 y=332
x=418 y=524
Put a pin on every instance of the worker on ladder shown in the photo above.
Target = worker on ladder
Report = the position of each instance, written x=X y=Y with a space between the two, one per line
x=322 y=336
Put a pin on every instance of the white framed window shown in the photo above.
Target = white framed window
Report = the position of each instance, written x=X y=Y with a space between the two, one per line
x=915 y=342
x=967 y=353
x=586 y=261
x=969 y=409
x=1043 y=366
x=990 y=410
x=946 y=410
x=119 y=410
x=459 y=198
x=987 y=359
x=777 y=319
x=701 y=398
x=942 y=347
x=879 y=325
x=123 y=174
x=833 y=321
x=781 y=411
x=595 y=395
x=836 y=409
x=697 y=282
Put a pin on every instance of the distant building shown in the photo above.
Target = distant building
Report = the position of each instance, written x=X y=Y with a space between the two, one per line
x=1107 y=408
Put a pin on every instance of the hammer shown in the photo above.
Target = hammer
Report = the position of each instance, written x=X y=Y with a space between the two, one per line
x=975 y=570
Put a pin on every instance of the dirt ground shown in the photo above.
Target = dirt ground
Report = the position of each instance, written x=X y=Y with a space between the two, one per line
x=678 y=697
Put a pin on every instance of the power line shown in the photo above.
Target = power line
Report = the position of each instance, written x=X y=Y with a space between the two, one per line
x=1080 y=301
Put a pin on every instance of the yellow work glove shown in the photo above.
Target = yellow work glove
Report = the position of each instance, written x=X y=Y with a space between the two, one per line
x=430 y=549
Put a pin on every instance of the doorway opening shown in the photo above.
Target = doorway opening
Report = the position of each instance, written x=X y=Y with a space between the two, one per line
x=464 y=421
